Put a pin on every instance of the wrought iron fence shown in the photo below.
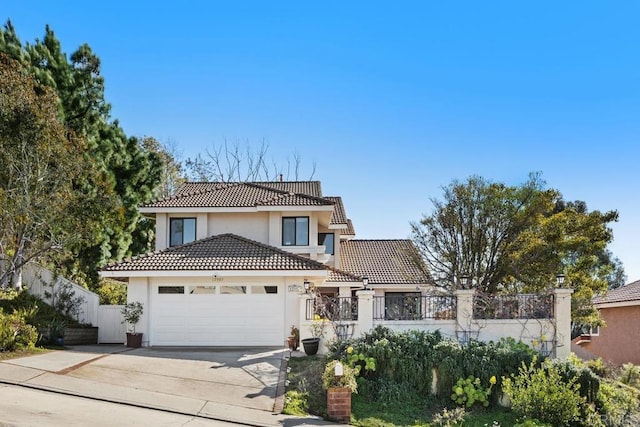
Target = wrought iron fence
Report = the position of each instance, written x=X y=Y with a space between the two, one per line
x=414 y=307
x=332 y=308
x=521 y=306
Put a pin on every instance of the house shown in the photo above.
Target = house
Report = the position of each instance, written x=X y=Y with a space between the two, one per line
x=618 y=341
x=233 y=258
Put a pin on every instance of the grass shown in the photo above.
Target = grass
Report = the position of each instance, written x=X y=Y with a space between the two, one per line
x=305 y=395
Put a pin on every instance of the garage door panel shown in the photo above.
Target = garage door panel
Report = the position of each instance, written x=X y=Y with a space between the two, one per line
x=205 y=319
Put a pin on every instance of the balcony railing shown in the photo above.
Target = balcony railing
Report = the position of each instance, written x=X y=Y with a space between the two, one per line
x=332 y=308
x=414 y=307
x=521 y=306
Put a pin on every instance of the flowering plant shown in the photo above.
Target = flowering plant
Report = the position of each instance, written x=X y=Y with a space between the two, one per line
x=317 y=327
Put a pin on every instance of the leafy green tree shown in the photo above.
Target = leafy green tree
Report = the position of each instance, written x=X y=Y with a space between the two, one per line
x=38 y=166
x=173 y=174
x=126 y=172
x=518 y=238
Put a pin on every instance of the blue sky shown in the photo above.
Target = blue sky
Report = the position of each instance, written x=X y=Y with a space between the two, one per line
x=391 y=100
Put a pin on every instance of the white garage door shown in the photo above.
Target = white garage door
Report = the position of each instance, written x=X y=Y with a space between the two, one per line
x=217 y=315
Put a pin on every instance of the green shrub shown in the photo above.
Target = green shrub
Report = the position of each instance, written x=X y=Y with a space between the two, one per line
x=347 y=379
x=542 y=393
x=112 y=293
x=468 y=391
x=630 y=375
x=15 y=333
x=618 y=404
x=410 y=358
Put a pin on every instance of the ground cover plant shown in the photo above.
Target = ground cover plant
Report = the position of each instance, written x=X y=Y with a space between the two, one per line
x=425 y=379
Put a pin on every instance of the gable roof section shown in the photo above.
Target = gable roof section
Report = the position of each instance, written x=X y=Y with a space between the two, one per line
x=348 y=231
x=627 y=293
x=241 y=195
x=383 y=261
x=339 y=216
x=310 y=188
x=218 y=253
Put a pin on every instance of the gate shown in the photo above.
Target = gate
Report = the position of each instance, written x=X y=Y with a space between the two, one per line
x=111 y=329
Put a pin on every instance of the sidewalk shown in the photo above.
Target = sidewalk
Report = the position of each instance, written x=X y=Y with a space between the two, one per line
x=79 y=374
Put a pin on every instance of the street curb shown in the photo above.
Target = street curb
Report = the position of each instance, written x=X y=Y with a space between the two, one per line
x=278 y=404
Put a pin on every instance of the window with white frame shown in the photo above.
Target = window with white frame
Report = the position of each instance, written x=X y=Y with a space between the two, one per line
x=181 y=231
x=295 y=231
x=327 y=239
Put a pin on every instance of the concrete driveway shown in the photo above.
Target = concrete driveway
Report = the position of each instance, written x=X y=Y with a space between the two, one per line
x=236 y=385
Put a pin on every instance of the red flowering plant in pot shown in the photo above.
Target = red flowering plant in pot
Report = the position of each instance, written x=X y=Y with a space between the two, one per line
x=132 y=313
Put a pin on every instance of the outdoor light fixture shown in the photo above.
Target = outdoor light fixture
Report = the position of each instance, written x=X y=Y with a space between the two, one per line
x=365 y=282
x=464 y=280
x=560 y=280
x=307 y=285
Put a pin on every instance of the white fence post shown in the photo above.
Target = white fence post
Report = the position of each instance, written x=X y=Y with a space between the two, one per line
x=562 y=314
x=365 y=313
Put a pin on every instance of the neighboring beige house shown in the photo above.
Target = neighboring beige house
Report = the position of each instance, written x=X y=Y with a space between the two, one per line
x=232 y=259
x=619 y=341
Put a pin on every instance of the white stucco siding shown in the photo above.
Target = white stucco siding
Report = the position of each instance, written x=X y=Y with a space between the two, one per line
x=138 y=290
x=254 y=225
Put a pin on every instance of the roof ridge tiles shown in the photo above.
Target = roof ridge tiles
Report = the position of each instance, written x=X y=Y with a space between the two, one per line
x=276 y=249
x=310 y=263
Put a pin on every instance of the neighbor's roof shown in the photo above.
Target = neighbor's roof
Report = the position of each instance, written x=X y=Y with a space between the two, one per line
x=383 y=261
x=242 y=194
x=626 y=293
x=218 y=253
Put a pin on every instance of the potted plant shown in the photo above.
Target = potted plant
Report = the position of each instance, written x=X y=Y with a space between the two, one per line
x=317 y=332
x=56 y=332
x=132 y=313
x=293 y=340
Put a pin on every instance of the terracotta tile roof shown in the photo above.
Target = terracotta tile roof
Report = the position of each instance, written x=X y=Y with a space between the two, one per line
x=338 y=216
x=349 y=230
x=383 y=261
x=218 y=253
x=239 y=194
x=336 y=275
x=628 y=292
x=310 y=188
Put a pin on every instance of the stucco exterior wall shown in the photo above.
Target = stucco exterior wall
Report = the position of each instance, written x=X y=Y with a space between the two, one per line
x=619 y=341
x=252 y=225
x=138 y=290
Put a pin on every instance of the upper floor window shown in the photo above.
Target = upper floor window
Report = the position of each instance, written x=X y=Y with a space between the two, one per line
x=295 y=231
x=327 y=240
x=181 y=231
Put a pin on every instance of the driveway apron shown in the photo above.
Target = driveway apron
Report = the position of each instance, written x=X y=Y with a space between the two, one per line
x=232 y=384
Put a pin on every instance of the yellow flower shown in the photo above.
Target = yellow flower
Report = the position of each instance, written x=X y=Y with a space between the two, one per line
x=316 y=317
x=492 y=380
x=534 y=343
x=543 y=337
x=349 y=349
